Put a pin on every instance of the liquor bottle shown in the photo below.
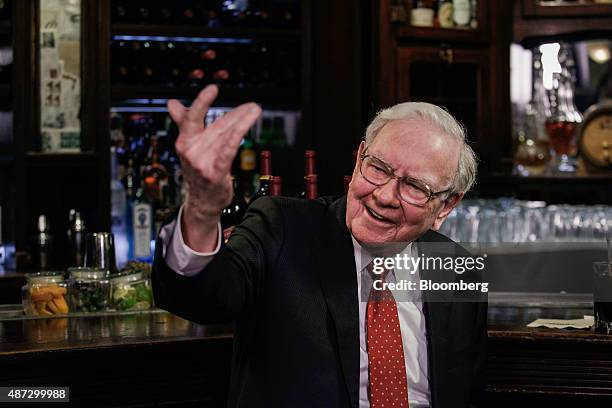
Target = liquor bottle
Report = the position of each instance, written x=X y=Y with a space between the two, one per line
x=461 y=13
x=421 y=14
x=76 y=238
x=233 y=213
x=118 y=198
x=43 y=244
x=445 y=14
x=141 y=227
x=155 y=177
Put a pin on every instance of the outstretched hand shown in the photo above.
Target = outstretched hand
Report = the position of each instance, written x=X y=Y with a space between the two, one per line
x=206 y=154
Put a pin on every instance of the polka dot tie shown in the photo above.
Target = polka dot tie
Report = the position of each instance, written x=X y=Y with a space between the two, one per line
x=388 y=386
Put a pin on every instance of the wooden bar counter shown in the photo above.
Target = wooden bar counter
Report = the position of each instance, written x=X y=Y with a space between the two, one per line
x=155 y=358
x=140 y=359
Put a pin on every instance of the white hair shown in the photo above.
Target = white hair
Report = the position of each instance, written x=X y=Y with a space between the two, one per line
x=465 y=175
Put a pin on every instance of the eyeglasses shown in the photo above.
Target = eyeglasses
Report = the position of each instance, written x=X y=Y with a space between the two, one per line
x=410 y=190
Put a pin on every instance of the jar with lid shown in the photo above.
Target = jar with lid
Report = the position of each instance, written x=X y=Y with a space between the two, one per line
x=89 y=289
x=44 y=294
x=131 y=291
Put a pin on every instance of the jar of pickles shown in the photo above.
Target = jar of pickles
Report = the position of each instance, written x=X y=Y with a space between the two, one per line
x=131 y=291
x=89 y=289
x=44 y=294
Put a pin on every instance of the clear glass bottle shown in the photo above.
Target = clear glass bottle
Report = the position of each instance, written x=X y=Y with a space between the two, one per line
x=89 y=289
x=44 y=294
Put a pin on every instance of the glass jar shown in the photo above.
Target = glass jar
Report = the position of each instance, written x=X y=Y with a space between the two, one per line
x=131 y=291
x=89 y=289
x=44 y=294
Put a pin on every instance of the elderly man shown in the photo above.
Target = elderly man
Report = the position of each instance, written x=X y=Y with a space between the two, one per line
x=290 y=276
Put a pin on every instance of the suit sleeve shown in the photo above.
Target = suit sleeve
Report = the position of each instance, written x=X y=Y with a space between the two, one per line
x=223 y=290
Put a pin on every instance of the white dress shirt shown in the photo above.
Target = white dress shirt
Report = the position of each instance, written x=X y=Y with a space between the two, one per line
x=185 y=261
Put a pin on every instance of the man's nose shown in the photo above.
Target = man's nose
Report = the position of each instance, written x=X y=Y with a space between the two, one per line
x=387 y=194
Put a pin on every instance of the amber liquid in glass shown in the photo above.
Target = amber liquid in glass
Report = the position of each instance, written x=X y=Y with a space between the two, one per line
x=561 y=134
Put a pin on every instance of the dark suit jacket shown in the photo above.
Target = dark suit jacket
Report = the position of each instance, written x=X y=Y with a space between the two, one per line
x=288 y=280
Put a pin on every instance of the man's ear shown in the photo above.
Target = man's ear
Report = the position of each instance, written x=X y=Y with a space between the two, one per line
x=362 y=147
x=450 y=203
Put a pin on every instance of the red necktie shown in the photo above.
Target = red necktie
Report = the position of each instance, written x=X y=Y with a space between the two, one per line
x=388 y=385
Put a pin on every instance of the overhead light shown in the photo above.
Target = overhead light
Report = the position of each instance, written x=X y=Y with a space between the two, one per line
x=599 y=51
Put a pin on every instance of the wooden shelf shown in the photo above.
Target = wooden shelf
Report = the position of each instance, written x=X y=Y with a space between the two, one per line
x=228 y=95
x=39 y=159
x=532 y=8
x=451 y=35
x=150 y=30
x=534 y=24
x=592 y=189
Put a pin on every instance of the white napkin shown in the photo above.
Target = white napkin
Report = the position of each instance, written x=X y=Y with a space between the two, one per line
x=584 y=323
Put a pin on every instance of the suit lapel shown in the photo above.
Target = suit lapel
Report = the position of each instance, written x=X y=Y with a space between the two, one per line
x=436 y=313
x=338 y=276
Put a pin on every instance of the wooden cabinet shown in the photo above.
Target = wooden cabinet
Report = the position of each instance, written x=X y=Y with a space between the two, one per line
x=453 y=77
x=462 y=70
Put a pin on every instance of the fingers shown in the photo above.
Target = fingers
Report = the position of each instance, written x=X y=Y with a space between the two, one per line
x=236 y=123
x=176 y=111
x=230 y=141
x=196 y=113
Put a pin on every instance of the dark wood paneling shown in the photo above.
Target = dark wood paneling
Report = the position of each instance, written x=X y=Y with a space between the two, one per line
x=337 y=89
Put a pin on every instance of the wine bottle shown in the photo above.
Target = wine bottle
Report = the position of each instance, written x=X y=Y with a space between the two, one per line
x=265 y=175
x=275 y=186
x=309 y=169
x=233 y=213
x=312 y=191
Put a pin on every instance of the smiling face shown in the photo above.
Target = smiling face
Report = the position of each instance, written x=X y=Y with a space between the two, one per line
x=416 y=148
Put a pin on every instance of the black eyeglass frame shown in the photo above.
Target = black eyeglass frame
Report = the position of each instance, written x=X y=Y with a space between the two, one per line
x=391 y=174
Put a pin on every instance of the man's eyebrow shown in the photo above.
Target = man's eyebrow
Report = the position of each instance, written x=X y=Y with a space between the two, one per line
x=419 y=179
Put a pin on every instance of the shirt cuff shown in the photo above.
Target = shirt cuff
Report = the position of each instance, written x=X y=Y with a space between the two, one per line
x=179 y=257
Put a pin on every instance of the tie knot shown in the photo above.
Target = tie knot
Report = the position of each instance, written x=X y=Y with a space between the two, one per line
x=378 y=272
